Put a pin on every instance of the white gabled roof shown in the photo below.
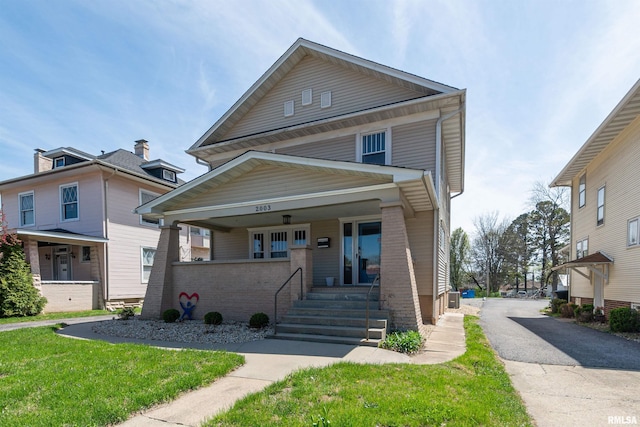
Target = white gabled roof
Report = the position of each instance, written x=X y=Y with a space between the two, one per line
x=627 y=110
x=291 y=57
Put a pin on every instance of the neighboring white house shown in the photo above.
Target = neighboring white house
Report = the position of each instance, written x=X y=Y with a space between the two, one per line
x=74 y=215
x=331 y=163
x=604 y=177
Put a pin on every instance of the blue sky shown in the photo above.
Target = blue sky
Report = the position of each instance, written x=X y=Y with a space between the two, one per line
x=97 y=75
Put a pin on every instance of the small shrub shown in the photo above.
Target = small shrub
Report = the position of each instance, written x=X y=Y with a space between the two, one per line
x=18 y=296
x=403 y=342
x=567 y=310
x=624 y=319
x=171 y=315
x=259 y=320
x=127 y=313
x=556 y=303
x=213 y=318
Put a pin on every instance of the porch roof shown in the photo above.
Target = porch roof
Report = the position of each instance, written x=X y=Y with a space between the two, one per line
x=59 y=235
x=414 y=187
x=592 y=262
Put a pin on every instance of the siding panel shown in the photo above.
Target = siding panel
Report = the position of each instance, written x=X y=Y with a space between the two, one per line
x=326 y=261
x=350 y=91
x=413 y=145
x=343 y=148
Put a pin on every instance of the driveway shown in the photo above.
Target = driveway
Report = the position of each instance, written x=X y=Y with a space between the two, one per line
x=567 y=374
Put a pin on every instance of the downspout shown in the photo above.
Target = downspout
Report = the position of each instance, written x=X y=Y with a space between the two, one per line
x=436 y=213
x=105 y=232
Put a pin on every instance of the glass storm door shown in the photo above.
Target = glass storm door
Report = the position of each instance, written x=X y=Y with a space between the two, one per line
x=361 y=252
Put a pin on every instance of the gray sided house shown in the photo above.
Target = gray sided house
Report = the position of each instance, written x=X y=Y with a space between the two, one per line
x=331 y=168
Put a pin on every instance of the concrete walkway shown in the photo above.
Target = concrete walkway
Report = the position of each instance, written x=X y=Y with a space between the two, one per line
x=272 y=360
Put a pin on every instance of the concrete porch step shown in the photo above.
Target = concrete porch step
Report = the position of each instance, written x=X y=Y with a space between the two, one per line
x=330 y=303
x=342 y=296
x=330 y=330
x=354 y=321
x=338 y=312
x=325 y=339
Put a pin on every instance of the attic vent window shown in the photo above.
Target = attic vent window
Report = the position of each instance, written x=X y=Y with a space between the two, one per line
x=58 y=162
x=169 y=175
x=325 y=99
x=307 y=97
x=288 y=108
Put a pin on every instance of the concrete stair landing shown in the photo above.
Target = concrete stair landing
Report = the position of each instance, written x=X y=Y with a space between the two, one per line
x=335 y=315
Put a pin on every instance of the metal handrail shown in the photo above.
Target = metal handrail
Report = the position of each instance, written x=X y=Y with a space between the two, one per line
x=377 y=279
x=275 y=305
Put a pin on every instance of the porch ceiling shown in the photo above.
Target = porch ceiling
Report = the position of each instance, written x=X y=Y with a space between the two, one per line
x=60 y=236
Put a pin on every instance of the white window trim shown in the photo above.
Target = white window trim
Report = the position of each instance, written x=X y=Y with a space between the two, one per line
x=289 y=108
x=142 y=220
x=71 y=184
x=582 y=191
x=637 y=243
x=581 y=242
x=171 y=177
x=142 y=265
x=266 y=231
x=33 y=198
x=307 y=97
x=325 y=99
x=55 y=162
x=604 y=202
x=387 y=144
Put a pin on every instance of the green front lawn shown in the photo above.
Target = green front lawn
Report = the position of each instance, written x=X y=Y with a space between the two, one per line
x=55 y=316
x=48 y=380
x=472 y=390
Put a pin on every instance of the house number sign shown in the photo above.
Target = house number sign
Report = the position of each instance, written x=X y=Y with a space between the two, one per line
x=263 y=208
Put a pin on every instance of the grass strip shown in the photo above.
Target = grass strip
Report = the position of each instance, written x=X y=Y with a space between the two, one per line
x=55 y=316
x=472 y=390
x=48 y=380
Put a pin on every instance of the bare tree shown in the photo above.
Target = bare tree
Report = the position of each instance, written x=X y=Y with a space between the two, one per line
x=486 y=249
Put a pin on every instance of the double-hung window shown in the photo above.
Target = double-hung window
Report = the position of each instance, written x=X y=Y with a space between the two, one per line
x=633 y=239
x=600 y=216
x=69 y=202
x=27 y=211
x=582 y=191
x=582 y=248
x=374 y=148
x=148 y=254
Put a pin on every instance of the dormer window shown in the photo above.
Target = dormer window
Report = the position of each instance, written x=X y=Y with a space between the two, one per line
x=58 y=162
x=169 y=175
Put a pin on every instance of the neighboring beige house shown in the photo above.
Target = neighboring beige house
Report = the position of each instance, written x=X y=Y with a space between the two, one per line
x=605 y=210
x=74 y=215
x=329 y=162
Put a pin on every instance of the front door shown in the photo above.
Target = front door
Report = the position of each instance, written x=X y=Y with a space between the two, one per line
x=361 y=252
x=62 y=267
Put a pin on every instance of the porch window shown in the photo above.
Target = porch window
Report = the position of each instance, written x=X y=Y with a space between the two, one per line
x=27 y=212
x=275 y=242
x=69 y=202
x=86 y=254
x=373 y=148
x=582 y=248
x=258 y=245
x=582 y=191
x=632 y=232
x=145 y=197
x=148 y=254
x=600 y=219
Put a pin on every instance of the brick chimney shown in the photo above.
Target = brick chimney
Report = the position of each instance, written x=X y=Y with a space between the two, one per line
x=40 y=162
x=142 y=149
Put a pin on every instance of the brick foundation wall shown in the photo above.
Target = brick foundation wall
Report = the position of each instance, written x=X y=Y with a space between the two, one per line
x=235 y=289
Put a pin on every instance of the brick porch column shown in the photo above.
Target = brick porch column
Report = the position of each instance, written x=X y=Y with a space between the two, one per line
x=96 y=274
x=301 y=256
x=32 y=256
x=398 y=288
x=160 y=286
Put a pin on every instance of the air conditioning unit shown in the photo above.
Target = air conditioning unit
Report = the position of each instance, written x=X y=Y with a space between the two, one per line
x=454 y=299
